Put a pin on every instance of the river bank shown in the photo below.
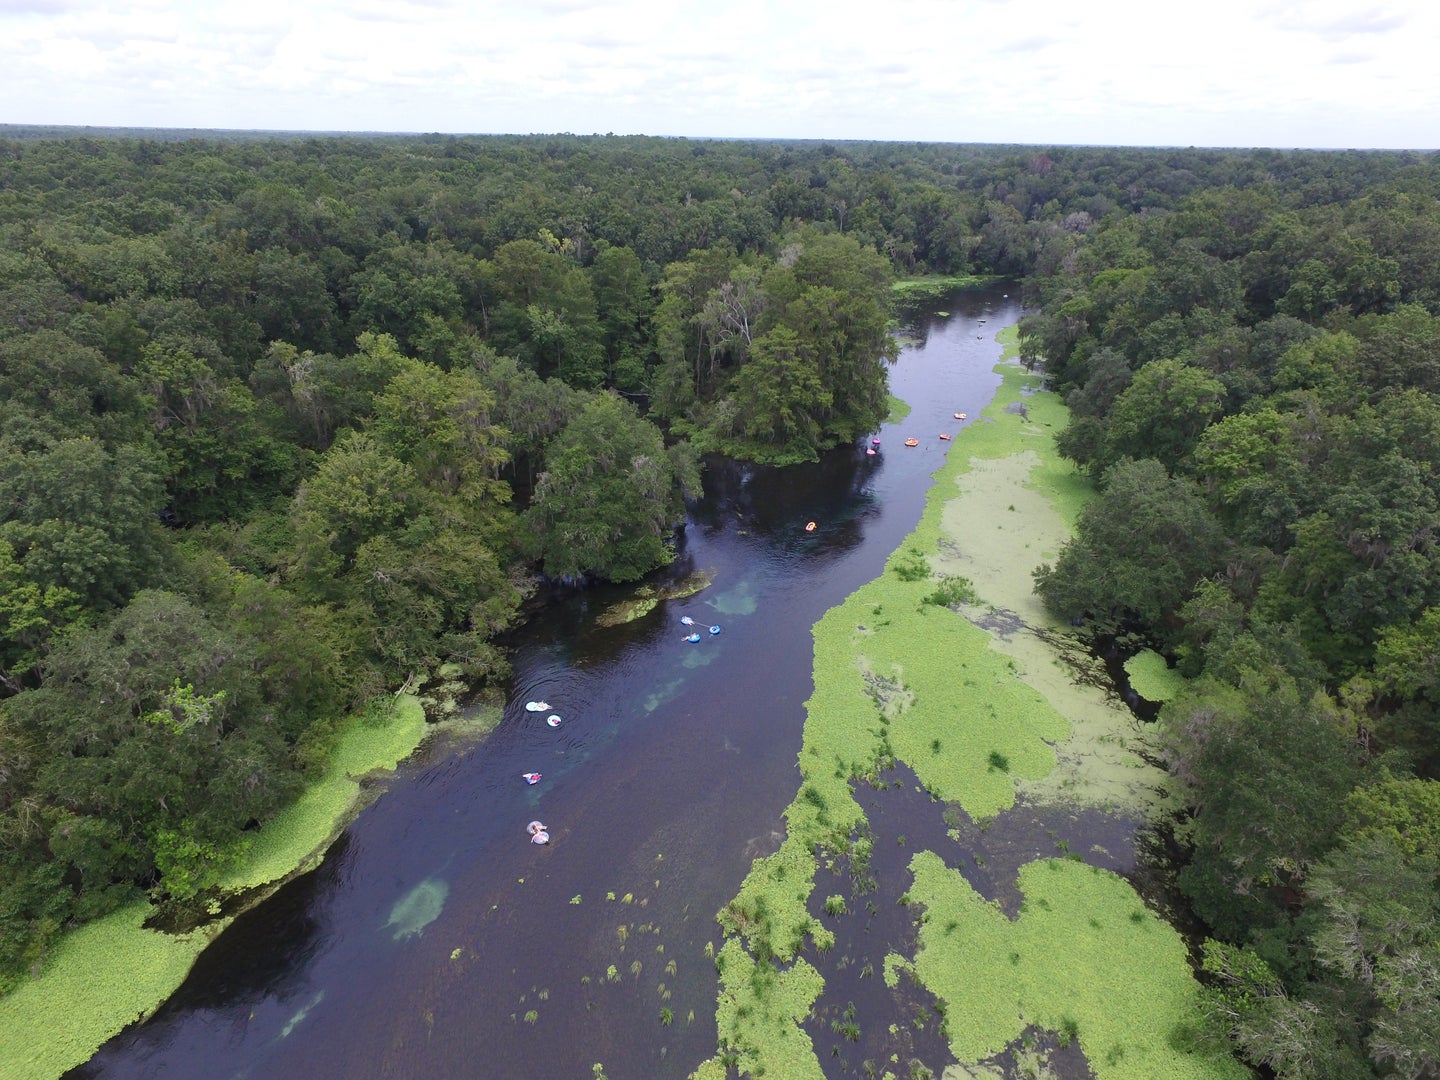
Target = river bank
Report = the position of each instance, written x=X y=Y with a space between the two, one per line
x=1016 y=933
x=112 y=972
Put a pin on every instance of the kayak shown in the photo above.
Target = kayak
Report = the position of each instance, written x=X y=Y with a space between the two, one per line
x=536 y=706
x=530 y=777
x=692 y=638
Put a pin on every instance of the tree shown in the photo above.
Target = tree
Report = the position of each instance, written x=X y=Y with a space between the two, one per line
x=1162 y=414
x=778 y=396
x=543 y=310
x=359 y=492
x=439 y=423
x=1137 y=552
x=1264 y=771
x=1379 y=919
x=157 y=750
x=609 y=496
x=220 y=459
x=1254 y=474
x=81 y=518
x=624 y=306
x=67 y=390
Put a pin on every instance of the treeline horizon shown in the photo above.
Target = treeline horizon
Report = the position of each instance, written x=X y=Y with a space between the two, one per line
x=287 y=421
x=170 y=133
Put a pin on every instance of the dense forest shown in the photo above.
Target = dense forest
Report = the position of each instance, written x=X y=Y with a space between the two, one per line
x=289 y=421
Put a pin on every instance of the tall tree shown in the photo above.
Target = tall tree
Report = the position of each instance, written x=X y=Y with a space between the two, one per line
x=610 y=495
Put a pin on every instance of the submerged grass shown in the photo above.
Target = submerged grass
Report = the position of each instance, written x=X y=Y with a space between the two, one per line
x=897 y=678
x=114 y=971
x=1077 y=962
x=647 y=597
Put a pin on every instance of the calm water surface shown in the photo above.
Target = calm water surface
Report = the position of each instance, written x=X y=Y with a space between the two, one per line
x=435 y=941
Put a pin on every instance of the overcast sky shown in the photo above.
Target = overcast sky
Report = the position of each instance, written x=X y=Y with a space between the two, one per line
x=1320 y=73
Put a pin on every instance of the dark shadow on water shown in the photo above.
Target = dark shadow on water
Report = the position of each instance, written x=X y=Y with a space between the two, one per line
x=231 y=972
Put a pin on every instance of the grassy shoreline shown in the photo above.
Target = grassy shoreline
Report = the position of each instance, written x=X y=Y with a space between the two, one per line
x=978 y=700
x=113 y=972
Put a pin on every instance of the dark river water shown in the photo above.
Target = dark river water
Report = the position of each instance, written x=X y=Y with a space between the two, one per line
x=435 y=941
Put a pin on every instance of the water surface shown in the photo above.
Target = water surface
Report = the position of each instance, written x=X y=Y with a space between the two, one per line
x=436 y=941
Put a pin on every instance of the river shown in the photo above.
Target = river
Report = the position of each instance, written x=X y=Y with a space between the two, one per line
x=435 y=941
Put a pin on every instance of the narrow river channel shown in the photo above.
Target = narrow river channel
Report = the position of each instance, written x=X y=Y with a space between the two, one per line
x=435 y=941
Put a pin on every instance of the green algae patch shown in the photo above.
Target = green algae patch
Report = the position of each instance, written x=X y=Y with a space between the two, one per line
x=710 y=1069
x=1006 y=502
x=647 y=597
x=636 y=607
x=899 y=410
x=1085 y=959
x=463 y=730
x=955 y=704
x=295 y=839
x=101 y=978
x=1152 y=678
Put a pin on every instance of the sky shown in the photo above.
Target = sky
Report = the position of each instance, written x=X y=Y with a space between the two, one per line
x=1313 y=73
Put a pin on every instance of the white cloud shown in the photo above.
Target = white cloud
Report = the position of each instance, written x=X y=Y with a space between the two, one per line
x=1310 y=72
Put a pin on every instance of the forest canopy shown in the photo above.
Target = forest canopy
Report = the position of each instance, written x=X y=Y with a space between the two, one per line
x=286 y=421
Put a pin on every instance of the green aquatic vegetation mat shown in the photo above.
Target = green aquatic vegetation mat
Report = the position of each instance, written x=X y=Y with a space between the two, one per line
x=759 y=1013
x=981 y=700
x=647 y=597
x=1152 y=678
x=938 y=285
x=101 y=978
x=1085 y=956
x=112 y=972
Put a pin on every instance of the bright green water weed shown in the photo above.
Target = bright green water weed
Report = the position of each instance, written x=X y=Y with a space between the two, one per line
x=102 y=977
x=759 y=1015
x=939 y=285
x=1085 y=959
x=1152 y=678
